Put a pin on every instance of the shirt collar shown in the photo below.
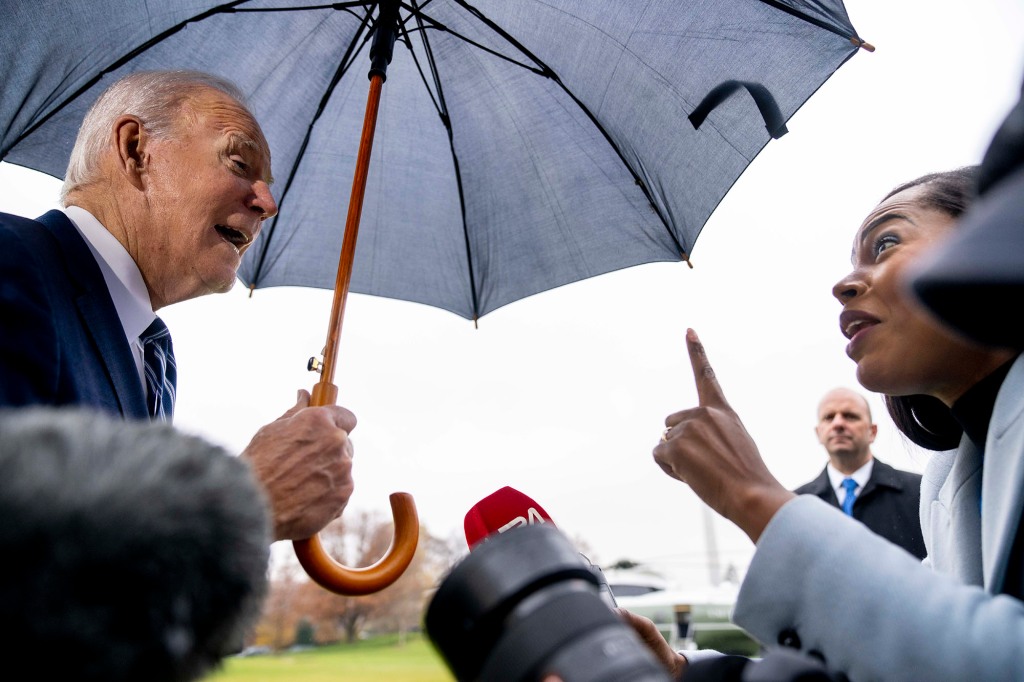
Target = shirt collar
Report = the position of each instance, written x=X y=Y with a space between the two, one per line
x=861 y=475
x=122 y=276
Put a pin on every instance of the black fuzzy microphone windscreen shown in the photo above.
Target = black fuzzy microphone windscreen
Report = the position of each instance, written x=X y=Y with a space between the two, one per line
x=128 y=550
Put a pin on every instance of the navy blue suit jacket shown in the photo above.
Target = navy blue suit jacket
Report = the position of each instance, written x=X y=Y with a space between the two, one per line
x=61 y=341
x=889 y=505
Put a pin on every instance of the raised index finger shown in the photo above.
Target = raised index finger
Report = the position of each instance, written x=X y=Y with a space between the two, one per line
x=708 y=390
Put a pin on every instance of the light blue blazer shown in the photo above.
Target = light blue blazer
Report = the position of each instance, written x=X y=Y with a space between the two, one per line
x=823 y=583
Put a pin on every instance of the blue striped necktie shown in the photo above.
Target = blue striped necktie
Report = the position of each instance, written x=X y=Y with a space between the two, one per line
x=848 y=501
x=161 y=372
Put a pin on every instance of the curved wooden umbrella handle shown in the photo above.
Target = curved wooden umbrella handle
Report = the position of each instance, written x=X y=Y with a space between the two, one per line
x=331 y=575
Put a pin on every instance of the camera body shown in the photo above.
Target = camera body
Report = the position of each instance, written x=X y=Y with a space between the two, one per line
x=524 y=605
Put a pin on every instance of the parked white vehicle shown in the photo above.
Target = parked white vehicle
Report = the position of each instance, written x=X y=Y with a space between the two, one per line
x=686 y=618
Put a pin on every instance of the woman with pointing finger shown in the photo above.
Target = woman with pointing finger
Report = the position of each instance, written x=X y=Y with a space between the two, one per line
x=820 y=582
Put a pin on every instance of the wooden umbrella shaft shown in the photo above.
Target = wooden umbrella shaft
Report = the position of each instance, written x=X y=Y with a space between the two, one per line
x=325 y=392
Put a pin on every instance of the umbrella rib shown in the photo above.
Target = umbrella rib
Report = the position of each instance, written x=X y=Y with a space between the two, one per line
x=446 y=120
x=855 y=39
x=415 y=60
x=346 y=62
x=548 y=72
x=416 y=9
x=334 y=5
x=436 y=25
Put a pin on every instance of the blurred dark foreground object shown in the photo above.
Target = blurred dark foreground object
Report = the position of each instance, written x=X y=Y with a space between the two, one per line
x=524 y=605
x=974 y=281
x=130 y=551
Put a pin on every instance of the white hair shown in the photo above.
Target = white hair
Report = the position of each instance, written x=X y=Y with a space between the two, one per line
x=154 y=96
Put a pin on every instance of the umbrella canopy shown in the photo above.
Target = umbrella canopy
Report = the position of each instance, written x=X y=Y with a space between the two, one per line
x=521 y=145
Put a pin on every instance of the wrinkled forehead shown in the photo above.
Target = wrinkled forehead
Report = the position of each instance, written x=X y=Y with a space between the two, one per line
x=231 y=118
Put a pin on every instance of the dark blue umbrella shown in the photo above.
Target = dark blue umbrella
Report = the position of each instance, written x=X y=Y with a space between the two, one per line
x=524 y=144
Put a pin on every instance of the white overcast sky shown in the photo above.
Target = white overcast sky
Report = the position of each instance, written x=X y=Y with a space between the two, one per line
x=563 y=395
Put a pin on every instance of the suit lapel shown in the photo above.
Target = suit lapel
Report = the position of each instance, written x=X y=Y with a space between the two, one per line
x=822 y=487
x=98 y=315
x=872 y=481
x=881 y=475
x=960 y=521
x=1003 y=481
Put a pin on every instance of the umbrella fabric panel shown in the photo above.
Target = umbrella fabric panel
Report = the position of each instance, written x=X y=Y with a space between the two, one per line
x=548 y=200
x=563 y=209
x=642 y=68
x=411 y=242
x=689 y=171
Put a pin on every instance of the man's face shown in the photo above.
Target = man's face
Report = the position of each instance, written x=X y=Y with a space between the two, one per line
x=207 y=191
x=844 y=425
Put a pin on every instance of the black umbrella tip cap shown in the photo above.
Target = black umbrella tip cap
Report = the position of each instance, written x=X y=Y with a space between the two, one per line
x=382 y=49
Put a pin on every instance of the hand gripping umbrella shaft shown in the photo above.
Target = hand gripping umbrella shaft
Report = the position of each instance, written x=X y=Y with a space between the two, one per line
x=320 y=566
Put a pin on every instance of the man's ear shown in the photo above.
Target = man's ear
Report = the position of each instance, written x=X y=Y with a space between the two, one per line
x=131 y=139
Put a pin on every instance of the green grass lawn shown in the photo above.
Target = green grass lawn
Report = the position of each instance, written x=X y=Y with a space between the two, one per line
x=377 y=660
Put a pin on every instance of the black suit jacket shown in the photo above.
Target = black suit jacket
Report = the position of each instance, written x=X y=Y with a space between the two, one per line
x=61 y=341
x=889 y=504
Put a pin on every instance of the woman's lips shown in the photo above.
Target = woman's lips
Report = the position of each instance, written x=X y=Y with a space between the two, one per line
x=855 y=326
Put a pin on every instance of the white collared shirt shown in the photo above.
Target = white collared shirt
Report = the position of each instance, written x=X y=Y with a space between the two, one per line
x=123 y=279
x=861 y=476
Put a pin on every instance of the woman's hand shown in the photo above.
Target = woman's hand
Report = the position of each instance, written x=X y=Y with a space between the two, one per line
x=708 y=448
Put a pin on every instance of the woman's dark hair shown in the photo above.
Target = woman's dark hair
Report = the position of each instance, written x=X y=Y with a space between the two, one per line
x=923 y=419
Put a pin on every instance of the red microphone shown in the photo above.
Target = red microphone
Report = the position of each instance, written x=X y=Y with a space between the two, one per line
x=508 y=508
x=501 y=510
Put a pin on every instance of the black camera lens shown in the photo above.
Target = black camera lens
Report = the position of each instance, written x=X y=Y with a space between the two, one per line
x=523 y=605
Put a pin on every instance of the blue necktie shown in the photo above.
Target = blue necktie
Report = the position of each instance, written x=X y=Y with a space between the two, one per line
x=161 y=372
x=848 y=501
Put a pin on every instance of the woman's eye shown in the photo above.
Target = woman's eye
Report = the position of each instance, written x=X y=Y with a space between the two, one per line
x=884 y=243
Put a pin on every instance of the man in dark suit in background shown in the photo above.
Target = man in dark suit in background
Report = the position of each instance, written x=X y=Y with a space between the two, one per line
x=167 y=186
x=885 y=499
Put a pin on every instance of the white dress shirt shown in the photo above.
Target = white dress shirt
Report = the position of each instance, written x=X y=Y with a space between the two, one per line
x=123 y=278
x=861 y=476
